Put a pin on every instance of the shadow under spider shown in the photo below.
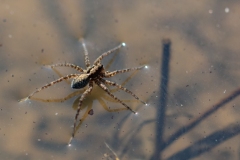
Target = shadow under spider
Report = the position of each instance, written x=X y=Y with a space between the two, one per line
x=92 y=74
x=98 y=95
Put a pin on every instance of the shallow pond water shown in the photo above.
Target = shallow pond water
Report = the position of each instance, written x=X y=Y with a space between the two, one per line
x=191 y=90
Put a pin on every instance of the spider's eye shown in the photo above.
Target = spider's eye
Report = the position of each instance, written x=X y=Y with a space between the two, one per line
x=80 y=82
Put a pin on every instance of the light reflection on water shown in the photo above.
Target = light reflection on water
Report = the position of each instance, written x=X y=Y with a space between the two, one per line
x=203 y=65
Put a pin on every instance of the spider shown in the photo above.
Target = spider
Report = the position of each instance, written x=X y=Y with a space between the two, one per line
x=92 y=74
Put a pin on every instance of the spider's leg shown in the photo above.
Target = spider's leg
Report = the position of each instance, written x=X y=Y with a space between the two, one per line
x=87 y=62
x=101 y=85
x=85 y=93
x=111 y=74
x=107 y=53
x=120 y=87
x=52 y=83
x=66 y=65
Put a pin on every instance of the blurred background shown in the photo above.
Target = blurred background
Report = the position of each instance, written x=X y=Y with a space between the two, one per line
x=191 y=83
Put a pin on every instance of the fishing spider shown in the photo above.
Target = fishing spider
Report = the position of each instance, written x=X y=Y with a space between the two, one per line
x=92 y=74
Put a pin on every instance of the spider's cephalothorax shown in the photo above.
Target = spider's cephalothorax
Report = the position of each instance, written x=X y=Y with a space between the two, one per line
x=93 y=74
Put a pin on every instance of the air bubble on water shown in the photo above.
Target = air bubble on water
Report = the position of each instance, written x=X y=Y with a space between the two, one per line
x=227 y=10
x=123 y=44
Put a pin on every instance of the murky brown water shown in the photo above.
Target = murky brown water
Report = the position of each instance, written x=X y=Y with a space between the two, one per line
x=204 y=65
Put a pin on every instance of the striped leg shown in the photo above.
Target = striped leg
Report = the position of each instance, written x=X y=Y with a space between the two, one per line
x=85 y=93
x=52 y=83
x=111 y=74
x=120 y=87
x=66 y=65
x=107 y=53
x=87 y=62
x=101 y=85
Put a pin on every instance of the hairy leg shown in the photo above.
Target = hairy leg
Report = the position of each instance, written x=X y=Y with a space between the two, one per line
x=87 y=62
x=52 y=83
x=107 y=53
x=120 y=87
x=101 y=85
x=113 y=73
x=66 y=65
x=85 y=93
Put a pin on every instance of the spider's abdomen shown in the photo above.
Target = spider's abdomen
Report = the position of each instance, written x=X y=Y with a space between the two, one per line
x=80 y=82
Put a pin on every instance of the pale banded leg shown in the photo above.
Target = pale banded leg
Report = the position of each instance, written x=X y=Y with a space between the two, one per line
x=85 y=93
x=66 y=65
x=110 y=74
x=120 y=87
x=107 y=53
x=52 y=83
x=82 y=119
x=59 y=99
x=87 y=62
x=101 y=85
